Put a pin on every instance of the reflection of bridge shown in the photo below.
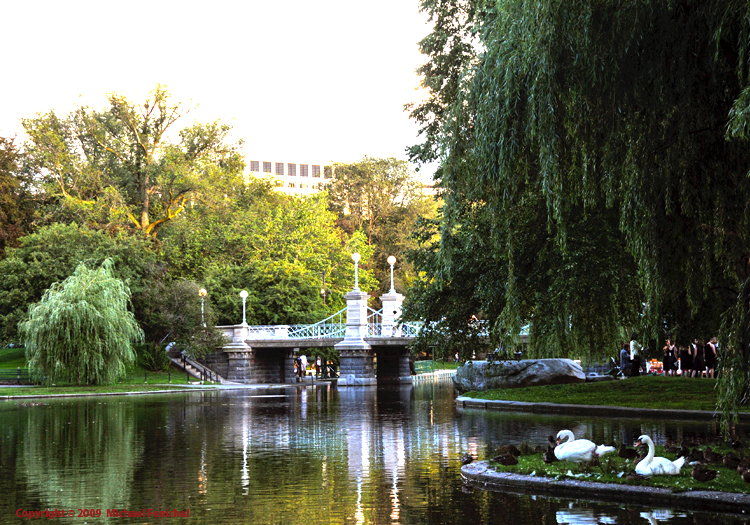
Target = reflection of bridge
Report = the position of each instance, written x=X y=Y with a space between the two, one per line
x=265 y=354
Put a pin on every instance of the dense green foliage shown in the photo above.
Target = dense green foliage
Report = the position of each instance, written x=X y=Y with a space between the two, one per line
x=382 y=198
x=82 y=327
x=50 y=255
x=173 y=210
x=595 y=155
x=15 y=198
x=118 y=167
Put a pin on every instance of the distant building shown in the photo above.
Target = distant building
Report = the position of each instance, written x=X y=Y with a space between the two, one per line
x=293 y=178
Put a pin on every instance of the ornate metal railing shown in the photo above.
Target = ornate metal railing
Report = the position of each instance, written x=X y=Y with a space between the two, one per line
x=280 y=331
x=410 y=329
x=374 y=322
x=332 y=327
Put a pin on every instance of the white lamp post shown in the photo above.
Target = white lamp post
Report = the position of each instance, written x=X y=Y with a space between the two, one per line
x=392 y=261
x=202 y=293
x=356 y=257
x=243 y=294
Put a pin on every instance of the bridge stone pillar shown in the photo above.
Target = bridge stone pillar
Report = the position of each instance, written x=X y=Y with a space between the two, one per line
x=289 y=377
x=392 y=302
x=356 y=356
x=238 y=353
x=393 y=364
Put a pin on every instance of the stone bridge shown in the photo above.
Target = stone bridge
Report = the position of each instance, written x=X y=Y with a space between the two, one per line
x=362 y=337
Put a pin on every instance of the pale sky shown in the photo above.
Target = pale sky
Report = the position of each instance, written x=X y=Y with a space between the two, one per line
x=300 y=81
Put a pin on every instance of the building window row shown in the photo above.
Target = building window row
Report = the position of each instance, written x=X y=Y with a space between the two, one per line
x=291 y=169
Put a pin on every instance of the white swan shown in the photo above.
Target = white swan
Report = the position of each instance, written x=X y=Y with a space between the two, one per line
x=578 y=450
x=657 y=466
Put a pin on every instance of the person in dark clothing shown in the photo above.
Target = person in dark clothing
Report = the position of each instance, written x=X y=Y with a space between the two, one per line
x=686 y=361
x=625 y=359
x=698 y=353
x=669 y=358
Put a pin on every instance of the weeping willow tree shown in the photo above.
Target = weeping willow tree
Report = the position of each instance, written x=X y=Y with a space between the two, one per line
x=604 y=146
x=82 y=328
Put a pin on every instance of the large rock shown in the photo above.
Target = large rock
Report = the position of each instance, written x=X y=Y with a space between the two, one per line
x=484 y=375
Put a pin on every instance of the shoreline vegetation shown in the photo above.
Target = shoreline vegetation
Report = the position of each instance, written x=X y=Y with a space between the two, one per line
x=611 y=468
x=706 y=498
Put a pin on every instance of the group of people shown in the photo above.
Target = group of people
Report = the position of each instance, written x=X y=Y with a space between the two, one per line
x=692 y=360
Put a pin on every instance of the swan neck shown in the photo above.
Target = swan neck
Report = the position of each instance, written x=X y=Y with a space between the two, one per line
x=651 y=450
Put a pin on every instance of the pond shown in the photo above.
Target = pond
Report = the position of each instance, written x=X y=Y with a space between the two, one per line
x=304 y=454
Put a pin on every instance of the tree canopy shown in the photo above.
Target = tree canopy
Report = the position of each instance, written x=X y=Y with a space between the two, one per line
x=382 y=198
x=603 y=146
x=121 y=166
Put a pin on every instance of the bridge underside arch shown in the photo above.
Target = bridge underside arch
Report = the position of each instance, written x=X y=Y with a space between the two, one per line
x=267 y=362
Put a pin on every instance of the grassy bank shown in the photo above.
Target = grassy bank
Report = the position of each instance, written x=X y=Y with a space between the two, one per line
x=426 y=366
x=137 y=379
x=613 y=469
x=13 y=358
x=672 y=393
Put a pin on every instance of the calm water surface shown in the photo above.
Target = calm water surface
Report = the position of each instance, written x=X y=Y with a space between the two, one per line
x=310 y=454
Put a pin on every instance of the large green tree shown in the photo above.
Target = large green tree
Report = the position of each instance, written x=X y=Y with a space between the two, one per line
x=127 y=164
x=52 y=253
x=82 y=328
x=381 y=198
x=16 y=206
x=281 y=249
x=622 y=127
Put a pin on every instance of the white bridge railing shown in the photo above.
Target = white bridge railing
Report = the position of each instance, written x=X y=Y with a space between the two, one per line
x=332 y=327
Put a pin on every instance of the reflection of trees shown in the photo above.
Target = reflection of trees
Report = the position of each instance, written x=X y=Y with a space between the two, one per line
x=300 y=455
x=79 y=453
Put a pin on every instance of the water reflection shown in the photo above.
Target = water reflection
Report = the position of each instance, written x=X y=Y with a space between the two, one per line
x=309 y=454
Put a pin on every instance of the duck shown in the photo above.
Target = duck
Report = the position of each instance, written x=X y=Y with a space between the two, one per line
x=712 y=457
x=703 y=474
x=466 y=459
x=642 y=453
x=683 y=451
x=578 y=450
x=634 y=476
x=509 y=449
x=731 y=461
x=627 y=453
x=657 y=466
x=743 y=465
x=549 y=456
x=506 y=459
x=746 y=476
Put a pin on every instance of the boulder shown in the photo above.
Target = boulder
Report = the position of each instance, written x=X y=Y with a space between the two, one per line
x=485 y=375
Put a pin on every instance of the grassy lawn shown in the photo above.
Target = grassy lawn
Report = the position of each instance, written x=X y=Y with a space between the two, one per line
x=137 y=379
x=426 y=366
x=13 y=358
x=637 y=392
x=613 y=469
